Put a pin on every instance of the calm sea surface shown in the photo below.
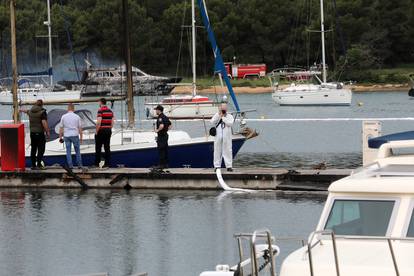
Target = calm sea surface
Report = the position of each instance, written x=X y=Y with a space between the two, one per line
x=56 y=232
x=297 y=144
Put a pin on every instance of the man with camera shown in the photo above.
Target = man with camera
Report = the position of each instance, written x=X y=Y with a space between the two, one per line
x=223 y=148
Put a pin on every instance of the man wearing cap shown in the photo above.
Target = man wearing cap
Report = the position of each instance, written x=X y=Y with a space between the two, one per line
x=104 y=124
x=39 y=132
x=162 y=126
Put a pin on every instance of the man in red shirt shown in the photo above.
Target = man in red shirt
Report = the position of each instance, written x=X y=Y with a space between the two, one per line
x=104 y=124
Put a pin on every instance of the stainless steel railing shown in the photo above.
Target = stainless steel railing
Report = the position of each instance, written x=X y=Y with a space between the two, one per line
x=253 y=260
x=311 y=246
x=334 y=238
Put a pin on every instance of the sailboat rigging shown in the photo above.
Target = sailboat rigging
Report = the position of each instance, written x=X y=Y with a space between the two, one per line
x=193 y=106
x=29 y=91
x=324 y=93
x=136 y=148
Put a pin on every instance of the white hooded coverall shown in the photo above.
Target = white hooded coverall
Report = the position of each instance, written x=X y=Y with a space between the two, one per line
x=223 y=148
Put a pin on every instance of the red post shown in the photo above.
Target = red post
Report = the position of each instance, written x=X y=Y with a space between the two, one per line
x=12 y=147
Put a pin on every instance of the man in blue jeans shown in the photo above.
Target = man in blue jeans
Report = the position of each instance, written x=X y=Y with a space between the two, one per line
x=70 y=130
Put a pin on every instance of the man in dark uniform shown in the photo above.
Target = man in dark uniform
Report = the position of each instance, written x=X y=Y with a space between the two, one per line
x=39 y=132
x=162 y=126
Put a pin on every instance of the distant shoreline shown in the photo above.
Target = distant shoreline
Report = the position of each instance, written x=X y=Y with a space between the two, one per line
x=259 y=90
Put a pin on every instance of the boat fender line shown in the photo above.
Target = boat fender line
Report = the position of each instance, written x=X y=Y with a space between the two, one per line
x=120 y=177
x=75 y=177
x=225 y=187
x=249 y=133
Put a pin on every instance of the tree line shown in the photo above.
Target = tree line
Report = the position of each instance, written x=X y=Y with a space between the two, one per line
x=361 y=34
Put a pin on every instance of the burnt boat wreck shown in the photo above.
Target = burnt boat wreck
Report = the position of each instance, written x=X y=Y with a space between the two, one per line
x=111 y=81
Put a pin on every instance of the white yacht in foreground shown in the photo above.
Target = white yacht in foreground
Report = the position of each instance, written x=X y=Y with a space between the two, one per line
x=366 y=227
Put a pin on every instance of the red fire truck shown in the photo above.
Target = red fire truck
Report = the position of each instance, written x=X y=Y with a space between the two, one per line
x=243 y=71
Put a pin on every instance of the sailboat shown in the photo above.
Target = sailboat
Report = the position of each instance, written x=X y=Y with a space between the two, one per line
x=187 y=106
x=324 y=93
x=135 y=148
x=29 y=91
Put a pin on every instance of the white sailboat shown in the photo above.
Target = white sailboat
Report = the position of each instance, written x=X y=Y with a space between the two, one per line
x=187 y=106
x=39 y=91
x=324 y=93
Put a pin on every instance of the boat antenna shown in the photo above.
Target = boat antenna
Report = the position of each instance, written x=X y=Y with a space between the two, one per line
x=16 y=115
x=323 y=44
x=193 y=44
x=130 y=90
x=48 y=23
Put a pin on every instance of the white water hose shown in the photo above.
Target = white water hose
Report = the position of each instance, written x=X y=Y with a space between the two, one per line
x=227 y=188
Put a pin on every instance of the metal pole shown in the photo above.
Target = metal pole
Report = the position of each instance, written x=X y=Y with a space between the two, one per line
x=394 y=261
x=239 y=243
x=16 y=117
x=335 y=253
x=323 y=44
x=130 y=90
x=193 y=37
x=310 y=258
x=271 y=255
x=48 y=23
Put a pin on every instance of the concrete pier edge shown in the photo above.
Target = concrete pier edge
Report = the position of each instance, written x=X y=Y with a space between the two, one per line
x=180 y=178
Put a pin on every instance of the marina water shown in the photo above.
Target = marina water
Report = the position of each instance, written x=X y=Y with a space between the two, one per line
x=178 y=233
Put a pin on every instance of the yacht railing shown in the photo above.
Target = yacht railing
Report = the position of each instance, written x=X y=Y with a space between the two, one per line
x=253 y=260
x=311 y=246
x=334 y=238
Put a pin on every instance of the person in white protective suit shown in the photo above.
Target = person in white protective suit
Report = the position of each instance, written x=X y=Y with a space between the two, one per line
x=223 y=148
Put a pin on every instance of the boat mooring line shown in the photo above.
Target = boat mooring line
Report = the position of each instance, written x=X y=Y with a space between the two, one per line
x=280 y=120
x=329 y=119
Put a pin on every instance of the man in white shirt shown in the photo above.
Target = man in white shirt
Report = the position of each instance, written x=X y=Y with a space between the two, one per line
x=70 y=130
x=223 y=148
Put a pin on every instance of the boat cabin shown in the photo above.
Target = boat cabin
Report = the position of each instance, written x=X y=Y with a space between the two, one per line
x=367 y=225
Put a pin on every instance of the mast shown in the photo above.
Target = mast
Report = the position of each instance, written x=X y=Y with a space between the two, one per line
x=48 y=23
x=16 y=117
x=323 y=44
x=218 y=64
x=128 y=66
x=193 y=37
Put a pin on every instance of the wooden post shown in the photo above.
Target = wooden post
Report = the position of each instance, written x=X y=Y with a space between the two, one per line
x=16 y=117
x=130 y=90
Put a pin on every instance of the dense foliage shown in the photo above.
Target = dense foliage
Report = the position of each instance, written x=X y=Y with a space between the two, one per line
x=363 y=33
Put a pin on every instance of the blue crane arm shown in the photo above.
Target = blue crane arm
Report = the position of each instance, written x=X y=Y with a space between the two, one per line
x=218 y=63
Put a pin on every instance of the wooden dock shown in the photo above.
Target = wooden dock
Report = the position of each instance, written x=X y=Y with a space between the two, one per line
x=182 y=178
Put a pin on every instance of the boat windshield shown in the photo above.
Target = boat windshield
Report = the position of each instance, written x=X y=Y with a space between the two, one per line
x=360 y=217
x=410 y=232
